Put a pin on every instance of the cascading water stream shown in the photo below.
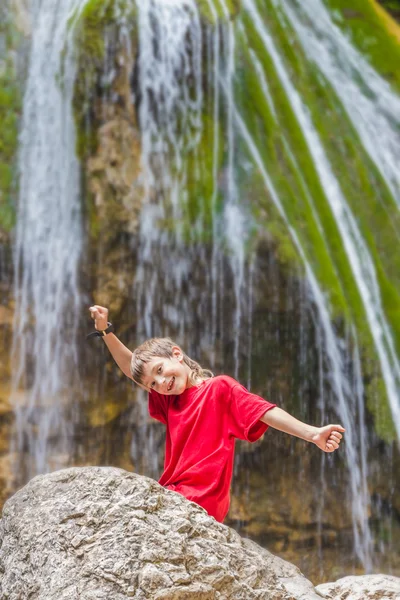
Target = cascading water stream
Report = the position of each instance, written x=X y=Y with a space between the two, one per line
x=336 y=373
x=357 y=250
x=371 y=105
x=171 y=109
x=363 y=270
x=170 y=106
x=236 y=229
x=170 y=122
x=48 y=242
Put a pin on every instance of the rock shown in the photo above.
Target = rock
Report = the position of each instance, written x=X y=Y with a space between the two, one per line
x=102 y=533
x=7 y=476
x=362 y=587
x=113 y=177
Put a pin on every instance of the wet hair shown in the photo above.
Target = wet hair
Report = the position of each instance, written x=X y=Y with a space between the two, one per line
x=162 y=348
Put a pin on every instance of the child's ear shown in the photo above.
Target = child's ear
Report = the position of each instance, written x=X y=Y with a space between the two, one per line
x=177 y=353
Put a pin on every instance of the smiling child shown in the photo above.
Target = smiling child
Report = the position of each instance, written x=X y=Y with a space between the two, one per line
x=203 y=415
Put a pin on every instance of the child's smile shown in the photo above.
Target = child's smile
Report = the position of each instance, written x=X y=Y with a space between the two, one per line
x=168 y=376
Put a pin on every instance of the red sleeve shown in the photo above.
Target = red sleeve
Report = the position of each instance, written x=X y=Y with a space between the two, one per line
x=158 y=406
x=246 y=410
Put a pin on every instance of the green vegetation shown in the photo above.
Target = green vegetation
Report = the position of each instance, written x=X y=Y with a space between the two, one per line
x=10 y=107
x=370 y=34
x=212 y=10
x=96 y=32
x=9 y=115
x=203 y=200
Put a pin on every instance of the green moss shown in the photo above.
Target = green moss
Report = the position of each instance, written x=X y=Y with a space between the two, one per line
x=97 y=41
x=96 y=32
x=10 y=107
x=370 y=34
x=380 y=409
x=198 y=210
x=219 y=9
x=292 y=173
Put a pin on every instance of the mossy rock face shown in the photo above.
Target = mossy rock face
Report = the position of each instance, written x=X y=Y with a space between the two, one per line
x=372 y=32
x=107 y=136
x=10 y=109
x=108 y=142
x=97 y=43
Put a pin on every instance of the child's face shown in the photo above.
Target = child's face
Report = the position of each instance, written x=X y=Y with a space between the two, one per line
x=168 y=376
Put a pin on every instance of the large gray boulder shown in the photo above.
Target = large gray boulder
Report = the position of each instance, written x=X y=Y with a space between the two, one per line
x=101 y=533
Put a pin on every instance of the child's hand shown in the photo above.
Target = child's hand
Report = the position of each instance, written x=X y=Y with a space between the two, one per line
x=328 y=438
x=100 y=316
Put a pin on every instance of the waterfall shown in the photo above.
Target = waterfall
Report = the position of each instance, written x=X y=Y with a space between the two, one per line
x=171 y=109
x=198 y=247
x=344 y=391
x=180 y=280
x=385 y=155
x=357 y=251
x=369 y=100
x=170 y=123
x=48 y=245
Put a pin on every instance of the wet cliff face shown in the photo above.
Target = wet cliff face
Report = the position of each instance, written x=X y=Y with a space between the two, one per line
x=189 y=232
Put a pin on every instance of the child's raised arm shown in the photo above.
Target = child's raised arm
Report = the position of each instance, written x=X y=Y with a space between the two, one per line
x=326 y=438
x=120 y=353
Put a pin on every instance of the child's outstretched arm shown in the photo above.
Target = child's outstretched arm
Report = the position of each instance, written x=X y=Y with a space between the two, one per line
x=327 y=438
x=120 y=353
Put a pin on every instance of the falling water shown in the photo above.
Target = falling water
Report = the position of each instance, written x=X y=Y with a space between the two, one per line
x=169 y=92
x=48 y=242
x=385 y=153
x=180 y=281
x=170 y=40
x=171 y=122
x=371 y=105
x=366 y=279
x=333 y=356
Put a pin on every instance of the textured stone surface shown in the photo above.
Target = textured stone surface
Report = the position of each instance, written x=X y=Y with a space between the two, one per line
x=363 y=587
x=98 y=533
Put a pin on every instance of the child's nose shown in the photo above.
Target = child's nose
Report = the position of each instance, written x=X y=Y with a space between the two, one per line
x=160 y=379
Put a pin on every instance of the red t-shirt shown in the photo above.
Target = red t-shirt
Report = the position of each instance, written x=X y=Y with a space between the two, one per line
x=202 y=424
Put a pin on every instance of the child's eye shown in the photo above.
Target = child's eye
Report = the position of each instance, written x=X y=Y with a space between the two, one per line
x=152 y=384
x=159 y=370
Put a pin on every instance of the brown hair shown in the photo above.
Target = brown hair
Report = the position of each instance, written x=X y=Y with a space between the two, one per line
x=162 y=347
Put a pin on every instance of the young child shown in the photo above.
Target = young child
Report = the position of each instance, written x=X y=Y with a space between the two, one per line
x=203 y=415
